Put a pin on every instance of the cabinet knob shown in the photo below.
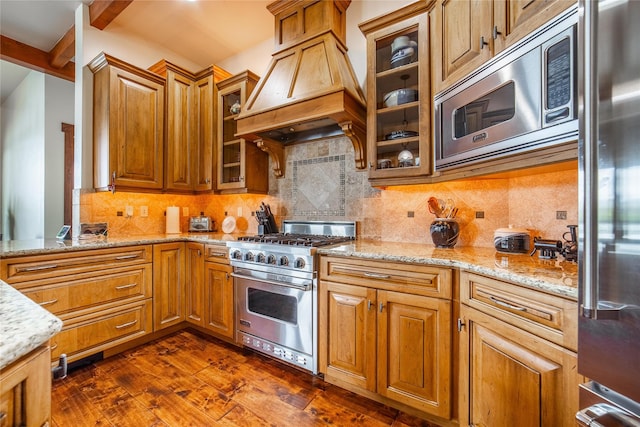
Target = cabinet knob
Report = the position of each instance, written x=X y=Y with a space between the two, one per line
x=369 y=305
x=495 y=33
x=381 y=307
x=460 y=324
x=483 y=43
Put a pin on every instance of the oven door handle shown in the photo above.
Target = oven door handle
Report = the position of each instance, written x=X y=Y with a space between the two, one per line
x=302 y=287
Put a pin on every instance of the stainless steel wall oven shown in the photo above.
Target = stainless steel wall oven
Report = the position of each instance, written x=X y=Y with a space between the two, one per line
x=276 y=289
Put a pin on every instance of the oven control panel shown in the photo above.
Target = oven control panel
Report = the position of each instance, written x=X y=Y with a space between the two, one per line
x=288 y=258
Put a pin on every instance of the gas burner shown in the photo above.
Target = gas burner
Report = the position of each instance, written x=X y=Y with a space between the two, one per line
x=290 y=239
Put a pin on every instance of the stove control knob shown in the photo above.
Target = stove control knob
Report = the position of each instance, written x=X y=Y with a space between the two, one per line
x=261 y=258
x=249 y=256
x=271 y=259
x=284 y=260
x=236 y=255
x=300 y=263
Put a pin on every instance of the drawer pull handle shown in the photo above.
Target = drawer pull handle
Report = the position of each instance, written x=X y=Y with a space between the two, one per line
x=131 y=285
x=125 y=325
x=39 y=267
x=377 y=275
x=369 y=304
x=381 y=307
x=53 y=347
x=506 y=304
x=51 y=301
x=218 y=254
x=123 y=257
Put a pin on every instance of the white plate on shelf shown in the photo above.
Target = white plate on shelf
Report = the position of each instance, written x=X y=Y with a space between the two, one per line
x=229 y=224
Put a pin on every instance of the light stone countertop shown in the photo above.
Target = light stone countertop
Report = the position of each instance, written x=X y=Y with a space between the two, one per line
x=24 y=325
x=554 y=276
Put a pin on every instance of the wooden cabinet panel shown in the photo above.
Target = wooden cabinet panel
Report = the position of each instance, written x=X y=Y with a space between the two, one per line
x=414 y=351
x=507 y=372
x=128 y=125
x=94 y=332
x=71 y=297
x=348 y=320
x=180 y=132
x=25 y=390
x=203 y=164
x=217 y=253
x=219 y=304
x=168 y=284
x=195 y=283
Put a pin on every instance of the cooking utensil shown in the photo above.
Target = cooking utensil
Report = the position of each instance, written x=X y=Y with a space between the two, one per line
x=435 y=206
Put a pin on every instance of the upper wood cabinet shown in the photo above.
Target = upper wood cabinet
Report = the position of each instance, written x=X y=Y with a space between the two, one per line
x=398 y=94
x=242 y=166
x=190 y=98
x=128 y=126
x=467 y=33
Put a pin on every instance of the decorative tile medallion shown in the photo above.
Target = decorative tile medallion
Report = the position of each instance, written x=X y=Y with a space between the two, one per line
x=319 y=186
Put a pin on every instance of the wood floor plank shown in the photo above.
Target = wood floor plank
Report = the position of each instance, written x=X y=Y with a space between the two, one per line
x=187 y=379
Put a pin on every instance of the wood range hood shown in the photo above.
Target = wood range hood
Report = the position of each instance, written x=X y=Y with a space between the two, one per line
x=309 y=90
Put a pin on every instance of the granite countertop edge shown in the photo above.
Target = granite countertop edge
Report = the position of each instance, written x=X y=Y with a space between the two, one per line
x=24 y=325
x=552 y=276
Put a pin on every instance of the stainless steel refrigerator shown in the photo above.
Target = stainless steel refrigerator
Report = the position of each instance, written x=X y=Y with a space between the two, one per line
x=609 y=231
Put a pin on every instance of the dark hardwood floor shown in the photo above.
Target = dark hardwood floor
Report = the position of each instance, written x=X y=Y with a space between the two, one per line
x=187 y=379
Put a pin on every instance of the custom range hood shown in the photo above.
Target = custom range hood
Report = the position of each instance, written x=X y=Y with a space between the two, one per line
x=309 y=90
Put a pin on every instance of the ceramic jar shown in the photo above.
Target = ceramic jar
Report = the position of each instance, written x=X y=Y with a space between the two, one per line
x=444 y=232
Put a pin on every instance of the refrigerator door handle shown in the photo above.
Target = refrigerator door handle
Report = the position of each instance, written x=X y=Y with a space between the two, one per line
x=589 y=130
x=605 y=415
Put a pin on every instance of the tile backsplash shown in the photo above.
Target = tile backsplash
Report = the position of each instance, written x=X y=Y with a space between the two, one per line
x=321 y=183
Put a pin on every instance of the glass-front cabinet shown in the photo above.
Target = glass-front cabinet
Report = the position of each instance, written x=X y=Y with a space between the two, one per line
x=398 y=95
x=242 y=166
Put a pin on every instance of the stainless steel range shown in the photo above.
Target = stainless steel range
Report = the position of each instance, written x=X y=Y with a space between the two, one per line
x=276 y=288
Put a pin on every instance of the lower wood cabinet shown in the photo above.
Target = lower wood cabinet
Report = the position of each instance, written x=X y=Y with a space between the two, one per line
x=169 y=284
x=218 y=291
x=194 y=297
x=25 y=390
x=509 y=375
x=387 y=333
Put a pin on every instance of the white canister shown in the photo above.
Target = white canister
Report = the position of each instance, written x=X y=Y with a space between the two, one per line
x=173 y=220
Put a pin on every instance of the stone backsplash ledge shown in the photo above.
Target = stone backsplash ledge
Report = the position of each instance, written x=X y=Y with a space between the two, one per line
x=321 y=182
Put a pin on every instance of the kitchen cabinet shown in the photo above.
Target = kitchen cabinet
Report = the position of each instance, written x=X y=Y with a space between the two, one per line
x=219 y=291
x=194 y=298
x=190 y=98
x=517 y=355
x=103 y=296
x=385 y=332
x=467 y=33
x=242 y=166
x=398 y=62
x=25 y=390
x=169 y=284
x=128 y=126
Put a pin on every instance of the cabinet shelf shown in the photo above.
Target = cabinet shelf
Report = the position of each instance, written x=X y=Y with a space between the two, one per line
x=231 y=165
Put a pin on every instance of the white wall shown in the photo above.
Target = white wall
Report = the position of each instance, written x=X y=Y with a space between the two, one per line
x=33 y=156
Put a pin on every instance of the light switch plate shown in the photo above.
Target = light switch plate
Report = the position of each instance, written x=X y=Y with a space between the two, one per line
x=129 y=211
x=144 y=211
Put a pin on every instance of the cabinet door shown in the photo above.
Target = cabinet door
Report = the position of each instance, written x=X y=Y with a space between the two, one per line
x=195 y=283
x=506 y=372
x=168 y=284
x=414 y=351
x=219 y=309
x=348 y=334
x=179 y=132
x=25 y=390
x=136 y=130
x=203 y=163
x=460 y=28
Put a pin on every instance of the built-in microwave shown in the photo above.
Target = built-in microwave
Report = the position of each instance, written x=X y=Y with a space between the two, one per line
x=523 y=99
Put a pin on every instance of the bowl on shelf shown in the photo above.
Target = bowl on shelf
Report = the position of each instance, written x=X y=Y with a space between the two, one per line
x=400 y=96
x=403 y=56
x=398 y=134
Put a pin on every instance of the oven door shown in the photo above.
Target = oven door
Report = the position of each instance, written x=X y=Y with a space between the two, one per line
x=280 y=313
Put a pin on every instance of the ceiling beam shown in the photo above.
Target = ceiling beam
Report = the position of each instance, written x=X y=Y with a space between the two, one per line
x=33 y=58
x=102 y=12
x=64 y=50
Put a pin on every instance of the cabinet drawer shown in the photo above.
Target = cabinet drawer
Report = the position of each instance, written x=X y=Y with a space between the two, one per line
x=89 y=334
x=20 y=269
x=114 y=286
x=545 y=315
x=403 y=277
x=216 y=253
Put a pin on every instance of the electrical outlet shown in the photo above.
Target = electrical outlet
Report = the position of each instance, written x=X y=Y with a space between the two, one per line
x=144 y=211
x=479 y=214
x=239 y=211
x=185 y=211
x=129 y=211
x=410 y=214
x=561 y=214
x=118 y=213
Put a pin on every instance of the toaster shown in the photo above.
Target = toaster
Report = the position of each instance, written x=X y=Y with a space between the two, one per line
x=201 y=223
